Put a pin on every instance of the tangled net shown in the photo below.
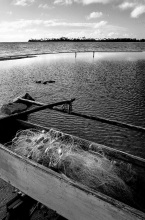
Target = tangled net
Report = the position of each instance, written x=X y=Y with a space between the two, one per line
x=64 y=154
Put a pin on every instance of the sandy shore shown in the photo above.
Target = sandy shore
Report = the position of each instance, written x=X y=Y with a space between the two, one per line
x=16 y=57
x=6 y=194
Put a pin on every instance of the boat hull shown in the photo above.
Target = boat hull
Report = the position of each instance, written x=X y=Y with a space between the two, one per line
x=70 y=199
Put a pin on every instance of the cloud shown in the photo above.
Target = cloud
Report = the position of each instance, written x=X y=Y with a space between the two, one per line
x=112 y=35
x=137 y=6
x=100 y=24
x=23 y=24
x=9 y=12
x=63 y=2
x=26 y=29
x=87 y=2
x=83 y=33
x=84 y=2
x=17 y=25
x=44 y=6
x=126 y=5
x=77 y=24
x=95 y=15
x=138 y=11
x=118 y=35
x=103 y=32
x=23 y=2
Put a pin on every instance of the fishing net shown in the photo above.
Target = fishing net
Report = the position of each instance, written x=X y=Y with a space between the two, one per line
x=66 y=155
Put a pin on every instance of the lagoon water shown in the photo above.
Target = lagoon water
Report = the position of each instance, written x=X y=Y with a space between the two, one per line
x=111 y=85
x=11 y=49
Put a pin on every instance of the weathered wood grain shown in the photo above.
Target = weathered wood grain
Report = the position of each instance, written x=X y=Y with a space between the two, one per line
x=71 y=200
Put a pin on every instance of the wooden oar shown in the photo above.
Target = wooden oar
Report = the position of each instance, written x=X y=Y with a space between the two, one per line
x=95 y=118
x=36 y=109
x=113 y=153
x=109 y=151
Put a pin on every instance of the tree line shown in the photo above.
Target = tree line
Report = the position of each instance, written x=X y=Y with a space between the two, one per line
x=88 y=39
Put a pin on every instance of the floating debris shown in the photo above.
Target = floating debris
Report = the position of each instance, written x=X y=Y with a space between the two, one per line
x=44 y=82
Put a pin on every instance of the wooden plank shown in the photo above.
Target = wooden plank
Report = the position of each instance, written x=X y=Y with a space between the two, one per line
x=69 y=199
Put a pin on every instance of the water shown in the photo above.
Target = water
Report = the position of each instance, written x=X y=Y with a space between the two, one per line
x=110 y=85
x=10 y=49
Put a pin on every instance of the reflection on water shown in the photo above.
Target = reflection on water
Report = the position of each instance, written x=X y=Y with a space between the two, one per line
x=110 y=85
x=111 y=56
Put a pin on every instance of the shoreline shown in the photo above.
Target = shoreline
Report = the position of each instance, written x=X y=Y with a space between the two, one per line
x=14 y=57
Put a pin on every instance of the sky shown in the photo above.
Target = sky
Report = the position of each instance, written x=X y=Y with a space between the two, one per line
x=21 y=20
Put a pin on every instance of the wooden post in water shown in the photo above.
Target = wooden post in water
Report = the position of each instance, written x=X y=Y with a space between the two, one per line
x=93 y=54
x=75 y=54
x=70 y=108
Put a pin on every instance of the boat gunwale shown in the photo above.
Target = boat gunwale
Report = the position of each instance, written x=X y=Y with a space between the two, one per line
x=138 y=161
x=74 y=184
x=87 y=190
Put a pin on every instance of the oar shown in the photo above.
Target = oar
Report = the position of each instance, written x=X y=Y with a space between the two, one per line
x=109 y=151
x=36 y=109
x=101 y=119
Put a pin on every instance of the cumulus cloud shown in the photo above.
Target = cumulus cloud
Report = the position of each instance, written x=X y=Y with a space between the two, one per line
x=126 y=5
x=112 y=35
x=23 y=2
x=138 y=11
x=118 y=35
x=94 y=15
x=137 y=6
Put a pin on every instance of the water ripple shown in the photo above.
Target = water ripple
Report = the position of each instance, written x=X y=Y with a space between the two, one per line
x=110 y=85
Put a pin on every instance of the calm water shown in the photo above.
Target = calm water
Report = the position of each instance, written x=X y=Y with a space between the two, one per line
x=110 y=85
x=10 y=49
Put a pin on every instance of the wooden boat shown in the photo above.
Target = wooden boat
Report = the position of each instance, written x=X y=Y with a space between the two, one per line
x=69 y=198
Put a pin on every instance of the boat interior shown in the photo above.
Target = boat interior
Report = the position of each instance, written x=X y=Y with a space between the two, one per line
x=9 y=128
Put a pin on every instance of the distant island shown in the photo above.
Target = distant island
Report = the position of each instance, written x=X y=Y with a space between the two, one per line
x=83 y=39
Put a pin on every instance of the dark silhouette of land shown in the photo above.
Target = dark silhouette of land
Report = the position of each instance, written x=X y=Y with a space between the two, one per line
x=87 y=40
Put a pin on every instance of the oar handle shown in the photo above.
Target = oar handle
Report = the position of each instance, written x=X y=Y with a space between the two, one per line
x=24 y=113
x=95 y=118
